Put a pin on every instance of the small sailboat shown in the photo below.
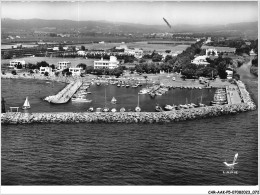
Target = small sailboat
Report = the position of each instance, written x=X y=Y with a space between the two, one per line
x=137 y=108
x=113 y=101
x=26 y=104
x=105 y=109
x=200 y=104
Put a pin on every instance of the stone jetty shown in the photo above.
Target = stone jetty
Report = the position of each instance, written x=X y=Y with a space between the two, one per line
x=65 y=94
x=125 y=117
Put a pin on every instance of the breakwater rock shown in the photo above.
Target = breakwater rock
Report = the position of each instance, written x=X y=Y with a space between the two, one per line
x=125 y=117
x=244 y=94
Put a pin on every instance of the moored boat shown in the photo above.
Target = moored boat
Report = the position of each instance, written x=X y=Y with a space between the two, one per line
x=158 y=93
x=113 y=110
x=143 y=91
x=80 y=99
x=184 y=106
x=137 y=108
x=218 y=102
x=105 y=109
x=152 y=95
x=168 y=107
x=91 y=109
x=201 y=105
x=98 y=109
x=194 y=105
x=122 y=109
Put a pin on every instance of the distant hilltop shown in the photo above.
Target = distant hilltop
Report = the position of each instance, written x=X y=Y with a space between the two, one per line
x=9 y=25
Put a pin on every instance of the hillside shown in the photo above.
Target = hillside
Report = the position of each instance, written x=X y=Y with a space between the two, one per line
x=11 y=25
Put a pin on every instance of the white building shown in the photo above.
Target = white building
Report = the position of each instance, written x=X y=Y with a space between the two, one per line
x=136 y=52
x=122 y=47
x=111 y=64
x=81 y=53
x=63 y=65
x=211 y=52
x=200 y=60
x=229 y=74
x=76 y=71
x=14 y=63
x=45 y=69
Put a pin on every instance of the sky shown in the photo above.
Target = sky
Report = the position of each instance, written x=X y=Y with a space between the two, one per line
x=143 y=12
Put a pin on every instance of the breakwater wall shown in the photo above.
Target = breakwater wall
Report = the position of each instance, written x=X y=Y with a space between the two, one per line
x=125 y=117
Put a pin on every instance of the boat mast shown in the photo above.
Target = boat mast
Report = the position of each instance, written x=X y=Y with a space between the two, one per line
x=105 y=97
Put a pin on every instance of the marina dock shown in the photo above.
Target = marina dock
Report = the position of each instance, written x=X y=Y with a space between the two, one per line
x=64 y=95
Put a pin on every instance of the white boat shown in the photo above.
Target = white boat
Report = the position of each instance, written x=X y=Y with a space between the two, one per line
x=184 y=106
x=106 y=109
x=143 y=91
x=91 y=109
x=137 y=109
x=83 y=92
x=113 y=110
x=80 y=99
x=26 y=104
x=113 y=101
x=168 y=107
x=158 y=93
